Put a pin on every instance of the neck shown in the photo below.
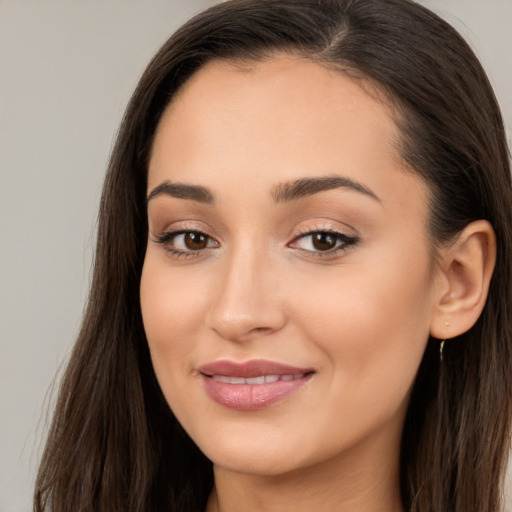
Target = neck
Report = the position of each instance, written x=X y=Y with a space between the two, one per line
x=357 y=483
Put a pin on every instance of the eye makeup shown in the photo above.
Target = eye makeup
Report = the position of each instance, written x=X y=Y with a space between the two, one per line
x=186 y=243
x=323 y=242
x=318 y=242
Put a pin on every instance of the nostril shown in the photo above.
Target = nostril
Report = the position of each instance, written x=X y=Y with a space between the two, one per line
x=237 y=315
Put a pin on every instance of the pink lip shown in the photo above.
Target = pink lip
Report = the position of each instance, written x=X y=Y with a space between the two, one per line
x=250 y=396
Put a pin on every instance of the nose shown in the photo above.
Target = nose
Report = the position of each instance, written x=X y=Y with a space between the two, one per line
x=247 y=304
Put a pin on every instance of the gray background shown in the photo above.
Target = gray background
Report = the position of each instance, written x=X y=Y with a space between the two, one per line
x=67 y=68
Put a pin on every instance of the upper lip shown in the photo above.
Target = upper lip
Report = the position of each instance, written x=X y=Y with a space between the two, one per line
x=253 y=368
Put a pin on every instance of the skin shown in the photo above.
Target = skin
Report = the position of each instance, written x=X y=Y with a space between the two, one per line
x=359 y=316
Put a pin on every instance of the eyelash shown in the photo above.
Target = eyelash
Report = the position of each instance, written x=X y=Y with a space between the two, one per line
x=165 y=240
x=343 y=242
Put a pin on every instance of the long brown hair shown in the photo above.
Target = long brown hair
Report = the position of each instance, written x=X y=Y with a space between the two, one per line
x=114 y=443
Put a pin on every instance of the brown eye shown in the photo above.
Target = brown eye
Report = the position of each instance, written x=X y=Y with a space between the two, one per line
x=195 y=241
x=186 y=242
x=323 y=241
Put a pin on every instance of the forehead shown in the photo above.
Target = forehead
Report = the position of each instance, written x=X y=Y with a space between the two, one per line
x=277 y=120
x=287 y=87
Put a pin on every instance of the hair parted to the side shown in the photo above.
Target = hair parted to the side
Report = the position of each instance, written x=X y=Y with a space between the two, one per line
x=115 y=445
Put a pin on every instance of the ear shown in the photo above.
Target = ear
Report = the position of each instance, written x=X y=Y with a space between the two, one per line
x=462 y=284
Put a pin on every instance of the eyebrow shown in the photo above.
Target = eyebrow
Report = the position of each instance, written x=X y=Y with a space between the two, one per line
x=283 y=192
x=182 y=191
x=309 y=186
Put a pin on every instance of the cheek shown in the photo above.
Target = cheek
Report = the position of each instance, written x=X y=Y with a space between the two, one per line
x=372 y=322
x=172 y=310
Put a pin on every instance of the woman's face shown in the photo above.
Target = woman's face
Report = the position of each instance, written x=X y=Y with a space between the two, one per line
x=288 y=286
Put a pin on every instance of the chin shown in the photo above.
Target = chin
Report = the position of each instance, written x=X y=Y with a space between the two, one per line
x=257 y=462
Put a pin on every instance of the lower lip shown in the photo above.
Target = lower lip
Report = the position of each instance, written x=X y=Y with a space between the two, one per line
x=251 y=397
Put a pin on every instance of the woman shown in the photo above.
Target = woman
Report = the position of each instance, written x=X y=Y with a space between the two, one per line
x=301 y=292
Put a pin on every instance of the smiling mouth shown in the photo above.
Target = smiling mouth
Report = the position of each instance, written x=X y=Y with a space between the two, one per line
x=261 y=379
x=252 y=385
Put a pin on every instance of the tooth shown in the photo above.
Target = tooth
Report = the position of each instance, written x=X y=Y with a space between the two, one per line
x=255 y=380
x=262 y=379
x=221 y=378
